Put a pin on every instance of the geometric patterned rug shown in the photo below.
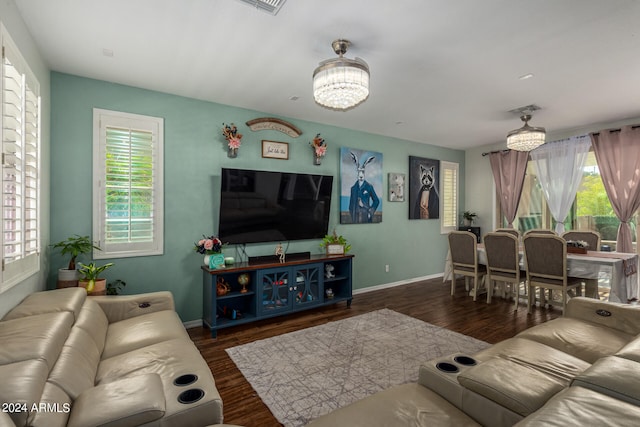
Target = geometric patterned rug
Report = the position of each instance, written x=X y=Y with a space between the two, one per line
x=305 y=374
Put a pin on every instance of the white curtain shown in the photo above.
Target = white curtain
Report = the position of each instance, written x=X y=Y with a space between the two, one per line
x=559 y=167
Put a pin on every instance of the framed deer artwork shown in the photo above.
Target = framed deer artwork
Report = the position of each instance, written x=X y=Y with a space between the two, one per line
x=361 y=191
x=424 y=188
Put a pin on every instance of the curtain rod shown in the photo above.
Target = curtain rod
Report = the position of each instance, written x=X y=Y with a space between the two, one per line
x=497 y=151
x=617 y=130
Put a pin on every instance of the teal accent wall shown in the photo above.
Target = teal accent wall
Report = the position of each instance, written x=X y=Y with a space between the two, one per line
x=195 y=151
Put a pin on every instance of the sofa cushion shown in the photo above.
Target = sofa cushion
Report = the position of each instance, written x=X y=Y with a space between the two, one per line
x=577 y=406
x=404 y=405
x=613 y=376
x=93 y=320
x=54 y=408
x=22 y=383
x=540 y=357
x=39 y=336
x=631 y=351
x=584 y=340
x=141 y=331
x=497 y=380
x=67 y=299
x=127 y=402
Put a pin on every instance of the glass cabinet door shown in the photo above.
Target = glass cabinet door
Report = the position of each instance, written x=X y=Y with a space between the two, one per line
x=307 y=289
x=274 y=291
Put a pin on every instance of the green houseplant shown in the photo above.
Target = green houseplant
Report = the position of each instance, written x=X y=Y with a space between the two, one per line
x=73 y=246
x=469 y=217
x=90 y=279
x=335 y=244
x=114 y=288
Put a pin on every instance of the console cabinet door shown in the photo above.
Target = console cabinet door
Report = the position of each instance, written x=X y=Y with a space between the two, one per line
x=273 y=291
x=307 y=288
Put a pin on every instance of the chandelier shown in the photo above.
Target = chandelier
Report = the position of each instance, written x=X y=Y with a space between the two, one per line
x=341 y=83
x=527 y=137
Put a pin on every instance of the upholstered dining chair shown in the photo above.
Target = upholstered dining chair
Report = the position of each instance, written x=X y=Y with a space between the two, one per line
x=546 y=266
x=512 y=231
x=540 y=231
x=593 y=240
x=503 y=263
x=464 y=260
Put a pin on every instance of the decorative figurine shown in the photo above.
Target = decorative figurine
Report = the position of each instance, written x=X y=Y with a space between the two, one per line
x=243 y=280
x=222 y=288
x=280 y=252
x=329 y=293
x=328 y=271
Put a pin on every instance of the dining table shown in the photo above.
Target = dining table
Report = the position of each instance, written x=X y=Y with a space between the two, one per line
x=620 y=267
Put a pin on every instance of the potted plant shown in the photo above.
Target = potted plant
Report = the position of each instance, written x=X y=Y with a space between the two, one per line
x=89 y=278
x=469 y=217
x=335 y=244
x=73 y=246
x=114 y=288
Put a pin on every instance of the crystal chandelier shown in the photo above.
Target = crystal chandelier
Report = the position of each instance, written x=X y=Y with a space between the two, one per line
x=341 y=83
x=525 y=138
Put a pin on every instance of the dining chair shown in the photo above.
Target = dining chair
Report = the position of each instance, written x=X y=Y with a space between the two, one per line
x=464 y=260
x=593 y=240
x=513 y=231
x=503 y=263
x=546 y=265
x=540 y=231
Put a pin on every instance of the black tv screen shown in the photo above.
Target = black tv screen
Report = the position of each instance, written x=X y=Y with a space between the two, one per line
x=260 y=206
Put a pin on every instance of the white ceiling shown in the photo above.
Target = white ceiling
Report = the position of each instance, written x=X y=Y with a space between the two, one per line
x=443 y=72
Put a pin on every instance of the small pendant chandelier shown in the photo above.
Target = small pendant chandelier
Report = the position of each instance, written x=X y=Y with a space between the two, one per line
x=341 y=83
x=527 y=137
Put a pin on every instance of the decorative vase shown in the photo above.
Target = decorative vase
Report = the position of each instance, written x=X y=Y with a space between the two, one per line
x=232 y=153
x=317 y=160
x=206 y=260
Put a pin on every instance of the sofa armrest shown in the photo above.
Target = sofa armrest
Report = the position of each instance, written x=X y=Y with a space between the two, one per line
x=623 y=317
x=5 y=420
x=130 y=401
x=121 y=307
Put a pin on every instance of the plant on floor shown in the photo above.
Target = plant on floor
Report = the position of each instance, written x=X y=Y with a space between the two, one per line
x=90 y=273
x=114 y=288
x=75 y=246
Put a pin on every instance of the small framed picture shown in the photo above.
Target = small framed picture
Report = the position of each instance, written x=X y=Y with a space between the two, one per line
x=275 y=150
x=396 y=187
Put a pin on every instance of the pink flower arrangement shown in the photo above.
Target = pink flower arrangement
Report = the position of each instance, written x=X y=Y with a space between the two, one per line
x=208 y=245
x=319 y=146
x=232 y=136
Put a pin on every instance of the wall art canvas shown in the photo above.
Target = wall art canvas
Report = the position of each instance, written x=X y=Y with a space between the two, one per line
x=360 y=186
x=424 y=188
x=395 y=182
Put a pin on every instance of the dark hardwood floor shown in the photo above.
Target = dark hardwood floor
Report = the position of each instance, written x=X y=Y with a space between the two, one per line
x=426 y=300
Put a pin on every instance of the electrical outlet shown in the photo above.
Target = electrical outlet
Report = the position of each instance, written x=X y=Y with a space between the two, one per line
x=386 y=268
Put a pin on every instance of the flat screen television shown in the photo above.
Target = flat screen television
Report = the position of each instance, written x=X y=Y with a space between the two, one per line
x=262 y=206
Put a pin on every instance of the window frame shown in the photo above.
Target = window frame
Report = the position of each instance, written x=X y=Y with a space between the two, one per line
x=445 y=166
x=103 y=119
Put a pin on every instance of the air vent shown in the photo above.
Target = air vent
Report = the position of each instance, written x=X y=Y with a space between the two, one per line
x=269 y=6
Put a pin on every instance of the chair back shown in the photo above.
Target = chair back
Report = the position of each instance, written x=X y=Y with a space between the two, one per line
x=463 y=247
x=502 y=252
x=545 y=257
x=591 y=237
x=508 y=230
x=540 y=231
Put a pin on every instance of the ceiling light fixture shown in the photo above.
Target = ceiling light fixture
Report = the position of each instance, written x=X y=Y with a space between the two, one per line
x=341 y=83
x=527 y=137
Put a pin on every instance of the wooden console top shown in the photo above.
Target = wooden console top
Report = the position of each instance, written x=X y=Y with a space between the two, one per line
x=245 y=266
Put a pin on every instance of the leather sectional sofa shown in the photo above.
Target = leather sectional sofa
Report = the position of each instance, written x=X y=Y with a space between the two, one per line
x=69 y=359
x=582 y=369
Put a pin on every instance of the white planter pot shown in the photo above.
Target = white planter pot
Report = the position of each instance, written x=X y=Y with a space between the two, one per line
x=66 y=275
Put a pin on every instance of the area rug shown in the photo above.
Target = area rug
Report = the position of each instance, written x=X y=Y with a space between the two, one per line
x=305 y=374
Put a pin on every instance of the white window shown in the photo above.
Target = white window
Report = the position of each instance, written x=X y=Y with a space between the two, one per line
x=127 y=184
x=449 y=202
x=20 y=166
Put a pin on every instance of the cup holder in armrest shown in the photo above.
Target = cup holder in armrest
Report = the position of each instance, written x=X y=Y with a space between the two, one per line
x=190 y=396
x=184 y=380
x=447 y=367
x=465 y=360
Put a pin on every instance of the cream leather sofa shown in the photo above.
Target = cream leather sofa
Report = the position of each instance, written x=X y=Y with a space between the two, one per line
x=69 y=359
x=582 y=369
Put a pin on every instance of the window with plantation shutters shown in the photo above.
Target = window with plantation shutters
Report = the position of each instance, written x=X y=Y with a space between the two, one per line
x=20 y=166
x=128 y=184
x=449 y=204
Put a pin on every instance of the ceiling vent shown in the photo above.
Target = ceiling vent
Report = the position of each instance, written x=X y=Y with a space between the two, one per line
x=269 y=6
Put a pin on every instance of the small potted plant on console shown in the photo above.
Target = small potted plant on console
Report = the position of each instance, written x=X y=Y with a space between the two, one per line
x=90 y=280
x=335 y=244
x=469 y=217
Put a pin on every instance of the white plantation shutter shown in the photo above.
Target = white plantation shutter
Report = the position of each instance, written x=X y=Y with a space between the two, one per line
x=20 y=166
x=128 y=192
x=449 y=185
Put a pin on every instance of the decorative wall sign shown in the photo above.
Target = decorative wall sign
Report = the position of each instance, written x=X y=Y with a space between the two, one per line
x=361 y=182
x=275 y=150
x=396 y=186
x=271 y=123
x=424 y=194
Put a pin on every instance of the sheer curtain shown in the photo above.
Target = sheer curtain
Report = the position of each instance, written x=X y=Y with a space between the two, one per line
x=559 y=168
x=509 y=168
x=618 y=157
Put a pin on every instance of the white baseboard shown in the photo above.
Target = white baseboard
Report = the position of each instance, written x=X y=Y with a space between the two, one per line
x=394 y=284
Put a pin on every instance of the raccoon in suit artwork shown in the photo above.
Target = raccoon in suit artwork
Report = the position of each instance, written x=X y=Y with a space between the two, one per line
x=424 y=196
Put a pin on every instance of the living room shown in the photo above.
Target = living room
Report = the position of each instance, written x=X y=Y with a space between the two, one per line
x=395 y=252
